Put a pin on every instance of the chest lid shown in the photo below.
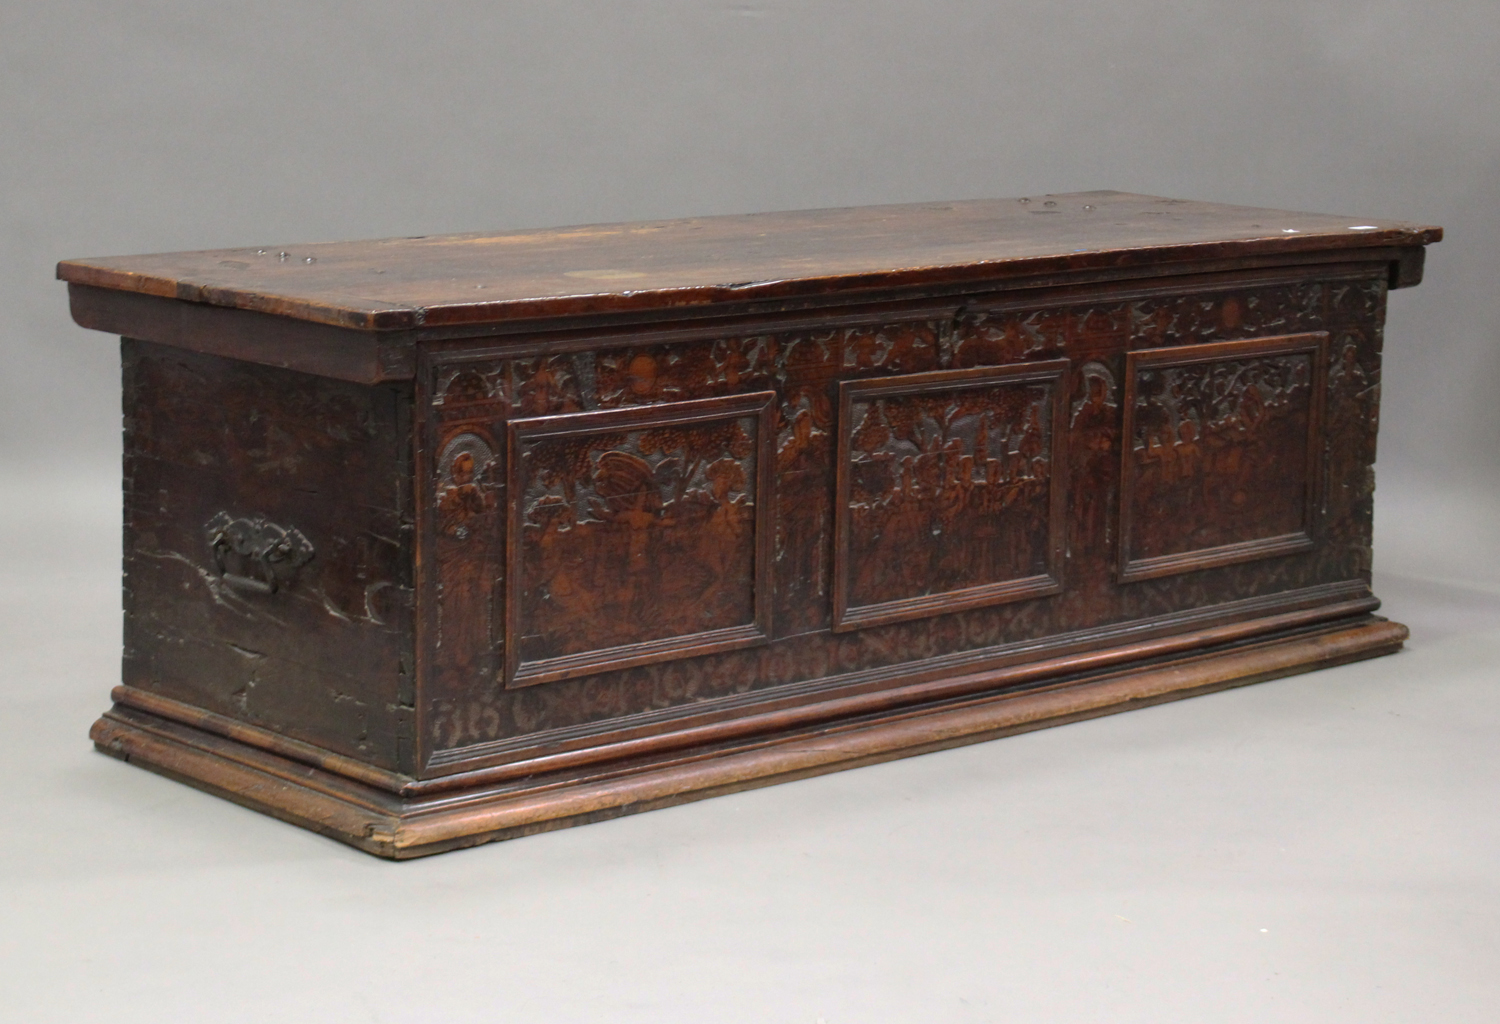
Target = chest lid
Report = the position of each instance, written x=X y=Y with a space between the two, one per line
x=398 y=284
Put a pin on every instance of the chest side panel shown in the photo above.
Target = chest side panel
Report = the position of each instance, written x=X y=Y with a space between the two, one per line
x=268 y=548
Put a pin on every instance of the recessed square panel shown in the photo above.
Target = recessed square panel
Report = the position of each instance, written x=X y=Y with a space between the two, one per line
x=637 y=535
x=950 y=493
x=1221 y=453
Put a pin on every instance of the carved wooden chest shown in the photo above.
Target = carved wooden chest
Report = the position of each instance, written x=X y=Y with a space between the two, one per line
x=433 y=541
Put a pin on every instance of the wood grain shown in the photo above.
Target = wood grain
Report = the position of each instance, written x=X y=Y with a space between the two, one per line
x=1222 y=455
x=406 y=828
x=945 y=493
x=638 y=534
x=401 y=283
x=435 y=541
x=911 y=608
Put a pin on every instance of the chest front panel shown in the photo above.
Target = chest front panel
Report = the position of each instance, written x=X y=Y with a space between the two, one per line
x=626 y=533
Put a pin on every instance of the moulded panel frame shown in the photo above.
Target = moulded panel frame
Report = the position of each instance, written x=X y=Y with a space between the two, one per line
x=1314 y=344
x=761 y=405
x=847 y=617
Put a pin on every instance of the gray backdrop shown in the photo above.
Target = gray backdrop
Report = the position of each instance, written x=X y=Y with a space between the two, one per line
x=152 y=126
x=180 y=124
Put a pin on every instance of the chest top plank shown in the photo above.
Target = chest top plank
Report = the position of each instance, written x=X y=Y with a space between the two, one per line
x=399 y=284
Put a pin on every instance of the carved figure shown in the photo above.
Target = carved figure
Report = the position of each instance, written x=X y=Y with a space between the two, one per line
x=634 y=536
x=1219 y=449
x=460 y=496
x=948 y=490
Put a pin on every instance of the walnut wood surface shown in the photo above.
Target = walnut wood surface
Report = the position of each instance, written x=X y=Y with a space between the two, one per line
x=913 y=684
x=327 y=657
x=983 y=442
x=956 y=464
x=400 y=283
x=1221 y=453
x=670 y=555
x=1038 y=520
x=403 y=828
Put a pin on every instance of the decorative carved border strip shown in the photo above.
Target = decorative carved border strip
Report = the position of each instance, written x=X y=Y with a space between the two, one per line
x=761 y=405
x=1053 y=372
x=1315 y=346
x=1327 y=601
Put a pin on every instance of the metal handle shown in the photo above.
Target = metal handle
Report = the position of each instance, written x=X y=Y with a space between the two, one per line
x=234 y=579
x=259 y=543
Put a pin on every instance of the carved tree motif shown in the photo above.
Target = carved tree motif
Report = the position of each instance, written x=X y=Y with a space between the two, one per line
x=636 y=535
x=947 y=497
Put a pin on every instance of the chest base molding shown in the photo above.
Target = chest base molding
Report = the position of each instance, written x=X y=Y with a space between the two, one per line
x=378 y=821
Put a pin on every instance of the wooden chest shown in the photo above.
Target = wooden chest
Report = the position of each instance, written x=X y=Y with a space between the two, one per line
x=433 y=541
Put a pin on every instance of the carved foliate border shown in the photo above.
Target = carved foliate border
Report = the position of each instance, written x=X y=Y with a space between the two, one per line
x=761 y=405
x=1315 y=346
x=1052 y=372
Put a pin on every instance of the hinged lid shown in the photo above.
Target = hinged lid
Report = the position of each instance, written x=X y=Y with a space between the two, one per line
x=405 y=283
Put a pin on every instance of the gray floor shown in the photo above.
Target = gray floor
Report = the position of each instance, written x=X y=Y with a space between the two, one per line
x=1321 y=848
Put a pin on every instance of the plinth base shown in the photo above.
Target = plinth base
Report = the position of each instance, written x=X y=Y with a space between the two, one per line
x=388 y=824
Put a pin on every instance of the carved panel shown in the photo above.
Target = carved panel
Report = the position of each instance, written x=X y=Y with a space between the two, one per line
x=638 y=535
x=1221 y=454
x=950 y=491
x=465 y=697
